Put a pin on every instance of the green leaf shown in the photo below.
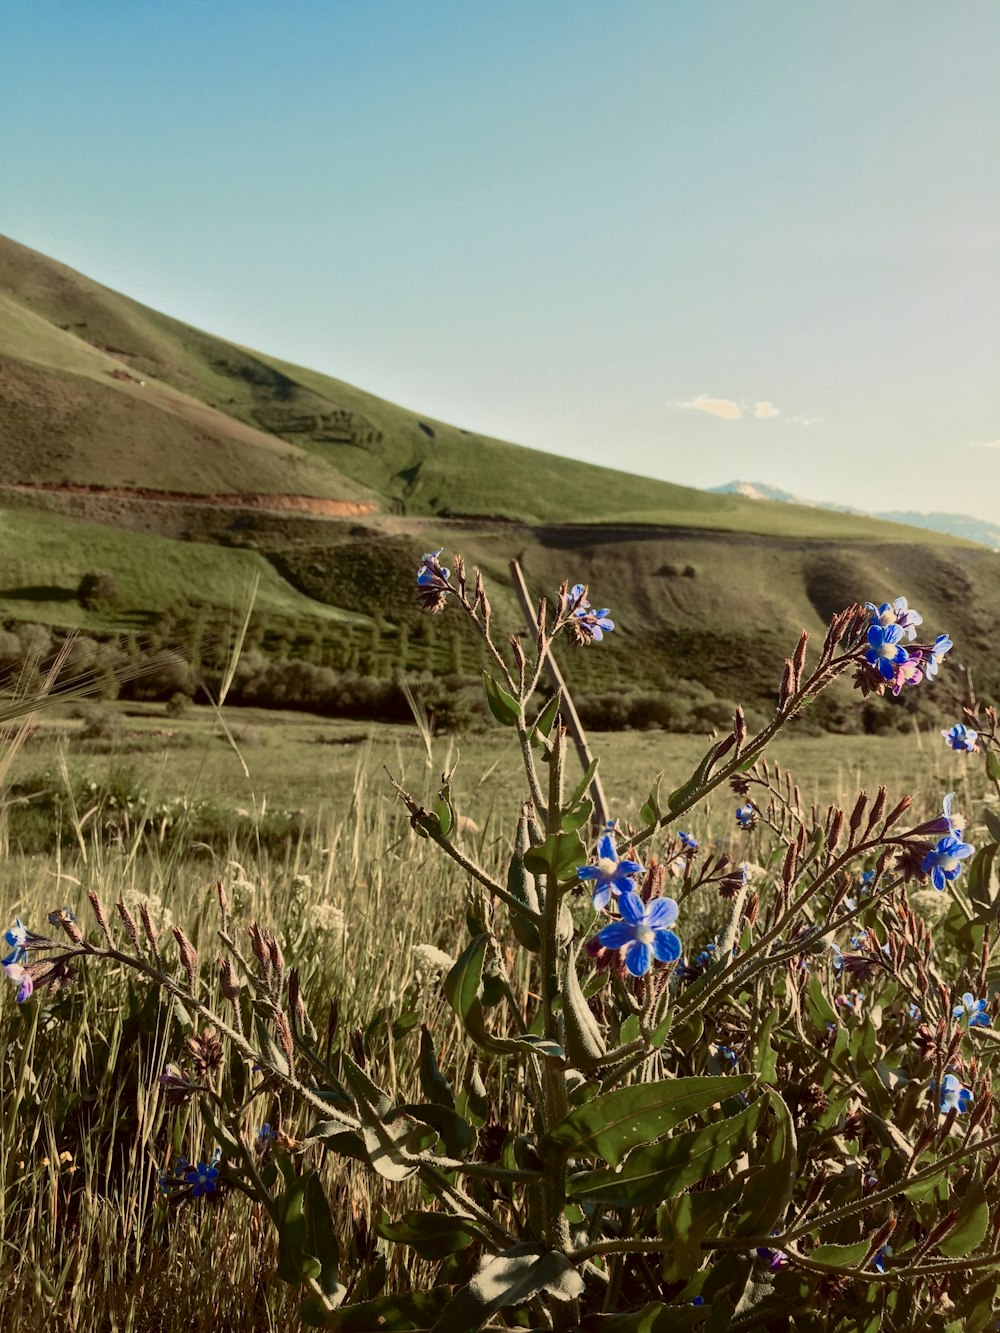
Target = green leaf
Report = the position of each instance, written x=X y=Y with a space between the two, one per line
x=432 y=1235
x=521 y=886
x=769 y=1192
x=392 y=1139
x=503 y=706
x=583 y=1034
x=682 y=795
x=611 y=1125
x=583 y=786
x=993 y=765
x=840 y=1256
x=454 y=1132
x=433 y=1083
x=545 y=720
x=392 y=1314
x=820 y=1010
x=979 y=880
x=577 y=817
x=321 y=1238
x=561 y=854
x=652 y=1174
x=509 y=1279
x=296 y=1262
x=444 y=810
x=684 y=1223
x=650 y=812
x=465 y=988
x=972 y=1222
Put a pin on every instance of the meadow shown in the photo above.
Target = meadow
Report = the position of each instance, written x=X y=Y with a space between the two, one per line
x=90 y=1244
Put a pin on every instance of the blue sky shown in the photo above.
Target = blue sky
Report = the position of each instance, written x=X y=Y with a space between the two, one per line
x=696 y=239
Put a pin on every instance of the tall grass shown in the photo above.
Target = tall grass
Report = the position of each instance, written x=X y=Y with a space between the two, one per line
x=88 y=1241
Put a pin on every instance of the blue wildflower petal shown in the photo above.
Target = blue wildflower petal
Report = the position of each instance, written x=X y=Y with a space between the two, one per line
x=602 y=897
x=666 y=946
x=588 y=872
x=617 y=935
x=632 y=908
x=639 y=958
x=662 y=913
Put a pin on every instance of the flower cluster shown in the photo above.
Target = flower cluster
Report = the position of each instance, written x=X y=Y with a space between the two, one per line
x=961 y=737
x=944 y=862
x=952 y=1096
x=587 y=626
x=192 y=1180
x=888 y=663
x=432 y=582
x=642 y=932
x=973 y=1010
x=746 y=816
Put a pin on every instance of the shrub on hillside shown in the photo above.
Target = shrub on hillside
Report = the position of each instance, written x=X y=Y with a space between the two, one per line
x=96 y=590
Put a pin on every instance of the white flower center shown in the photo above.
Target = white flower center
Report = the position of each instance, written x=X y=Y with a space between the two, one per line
x=606 y=866
x=644 y=934
x=948 y=862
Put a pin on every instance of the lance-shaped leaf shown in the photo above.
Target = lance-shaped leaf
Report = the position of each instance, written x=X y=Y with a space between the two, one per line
x=444 y=810
x=544 y=721
x=433 y=1083
x=611 y=1125
x=509 y=1279
x=769 y=1192
x=432 y=1235
x=839 y=1256
x=296 y=1261
x=972 y=1222
x=583 y=1035
x=465 y=986
x=503 y=706
x=650 y=812
x=383 y=1314
x=684 y=1223
x=652 y=1174
x=522 y=888
x=455 y=1133
x=683 y=794
x=393 y=1140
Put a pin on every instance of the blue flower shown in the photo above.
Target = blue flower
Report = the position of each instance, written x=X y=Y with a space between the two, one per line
x=879 y=1258
x=897 y=613
x=961 y=737
x=687 y=841
x=746 y=815
x=21 y=978
x=953 y=1097
x=943 y=862
x=974 y=1009
x=204 y=1177
x=941 y=645
x=610 y=876
x=644 y=933
x=727 y=1053
x=431 y=572
x=838 y=958
x=576 y=600
x=592 y=624
x=704 y=958
x=913 y=1012
x=774 y=1259
x=884 y=651
x=17 y=938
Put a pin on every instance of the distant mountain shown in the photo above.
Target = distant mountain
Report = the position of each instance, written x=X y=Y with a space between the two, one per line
x=957 y=525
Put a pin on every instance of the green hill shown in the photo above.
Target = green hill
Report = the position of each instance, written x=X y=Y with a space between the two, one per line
x=133 y=442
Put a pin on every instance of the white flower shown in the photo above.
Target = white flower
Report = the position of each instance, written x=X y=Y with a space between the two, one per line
x=329 y=919
x=429 y=963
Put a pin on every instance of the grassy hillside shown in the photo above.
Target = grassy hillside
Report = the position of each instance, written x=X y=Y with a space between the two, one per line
x=44 y=557
x=105 y=401
x=309 y=433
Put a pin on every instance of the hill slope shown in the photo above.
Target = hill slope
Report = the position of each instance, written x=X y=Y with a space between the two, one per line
x=96 y=388
x=170 y=444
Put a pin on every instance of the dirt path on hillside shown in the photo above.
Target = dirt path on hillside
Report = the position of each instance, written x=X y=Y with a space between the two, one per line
x=297 y=504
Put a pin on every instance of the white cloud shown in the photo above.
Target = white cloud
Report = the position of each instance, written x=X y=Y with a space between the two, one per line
x=985 y=444
x=717 y=407
x=764 y=410
x=805 y=421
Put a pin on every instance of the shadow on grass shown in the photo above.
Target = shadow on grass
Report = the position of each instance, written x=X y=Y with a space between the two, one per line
x=39 y=592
